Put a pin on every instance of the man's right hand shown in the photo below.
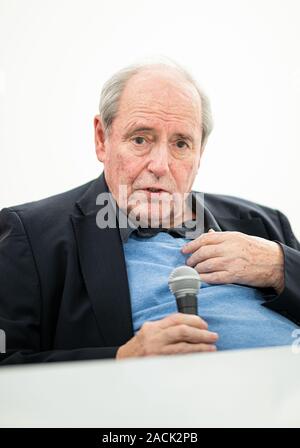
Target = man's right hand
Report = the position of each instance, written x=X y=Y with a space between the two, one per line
x=176 y=333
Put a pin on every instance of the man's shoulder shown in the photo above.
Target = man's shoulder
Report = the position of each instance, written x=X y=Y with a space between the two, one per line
x=229 y=205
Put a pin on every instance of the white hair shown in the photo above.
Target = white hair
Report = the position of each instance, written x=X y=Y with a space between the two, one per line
x=114 y=86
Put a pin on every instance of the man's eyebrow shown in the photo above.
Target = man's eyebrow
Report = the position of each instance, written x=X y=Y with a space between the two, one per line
x=181 y=135
x=134 y=130
x=184 y=136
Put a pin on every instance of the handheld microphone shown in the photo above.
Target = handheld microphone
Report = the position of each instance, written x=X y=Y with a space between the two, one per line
x=184 y=283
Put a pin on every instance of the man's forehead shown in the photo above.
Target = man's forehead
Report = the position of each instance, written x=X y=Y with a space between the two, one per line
x=162 y=87
x=162 y=103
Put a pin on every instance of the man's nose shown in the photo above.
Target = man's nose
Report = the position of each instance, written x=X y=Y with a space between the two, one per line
x=159 y=160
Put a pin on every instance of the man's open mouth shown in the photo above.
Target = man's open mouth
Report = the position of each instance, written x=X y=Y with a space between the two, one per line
x=155 y=190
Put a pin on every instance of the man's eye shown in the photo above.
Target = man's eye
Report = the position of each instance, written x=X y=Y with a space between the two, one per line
x=181 y=144
x=139 y=140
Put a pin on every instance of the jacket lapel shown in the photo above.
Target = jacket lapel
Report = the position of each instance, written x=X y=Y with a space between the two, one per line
x=104 y=270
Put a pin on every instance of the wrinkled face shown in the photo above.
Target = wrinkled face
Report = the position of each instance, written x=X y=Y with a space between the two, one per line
x=153 y=149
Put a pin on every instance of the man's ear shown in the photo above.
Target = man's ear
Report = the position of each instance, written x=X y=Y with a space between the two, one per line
x=99 y=139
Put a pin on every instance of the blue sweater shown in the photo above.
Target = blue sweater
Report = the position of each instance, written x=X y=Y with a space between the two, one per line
x=233 y=311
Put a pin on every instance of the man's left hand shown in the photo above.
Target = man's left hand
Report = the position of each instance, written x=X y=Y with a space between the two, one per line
x=234 y=257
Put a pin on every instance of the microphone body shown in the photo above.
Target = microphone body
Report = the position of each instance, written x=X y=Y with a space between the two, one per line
x=184 y=283
x=187 y=304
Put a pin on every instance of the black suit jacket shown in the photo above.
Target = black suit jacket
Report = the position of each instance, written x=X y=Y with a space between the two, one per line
x=64 y=291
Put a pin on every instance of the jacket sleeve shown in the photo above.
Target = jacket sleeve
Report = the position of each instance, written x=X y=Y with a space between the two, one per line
x=288 y=302
x=20 y=302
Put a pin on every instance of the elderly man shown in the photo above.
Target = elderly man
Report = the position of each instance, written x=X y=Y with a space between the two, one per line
x=75 y=286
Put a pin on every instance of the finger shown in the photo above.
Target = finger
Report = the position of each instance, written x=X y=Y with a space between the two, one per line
x=185 y=347
x=216 y=278
x=203 y=240
x=204 y=253
x=183 y=319
x=211 y=265
x=185 y=333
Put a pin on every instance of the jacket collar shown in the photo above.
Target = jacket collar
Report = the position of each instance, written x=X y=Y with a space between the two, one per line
x=87 y=203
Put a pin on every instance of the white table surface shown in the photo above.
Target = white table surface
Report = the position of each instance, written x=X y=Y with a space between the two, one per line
x=255 y=388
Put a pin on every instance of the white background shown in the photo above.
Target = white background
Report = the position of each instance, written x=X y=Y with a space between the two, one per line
x=55 y=56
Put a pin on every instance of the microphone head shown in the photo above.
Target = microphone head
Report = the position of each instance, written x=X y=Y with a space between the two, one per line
x=184 y=280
